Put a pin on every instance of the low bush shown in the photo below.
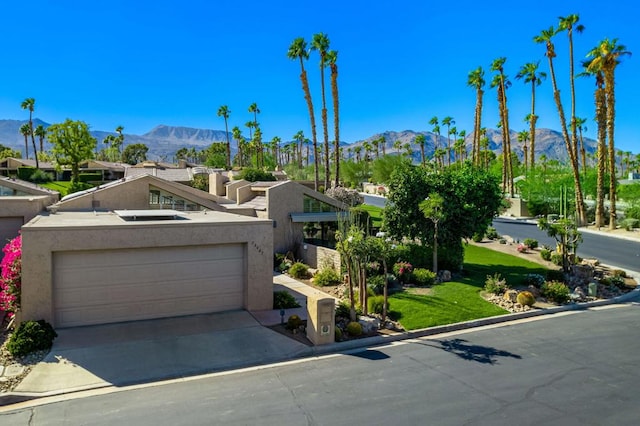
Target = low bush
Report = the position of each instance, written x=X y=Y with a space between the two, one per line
x=555 y=275
x=477 y=237
x=556 y=258
x=343 y=310
x=338 y=334
x=376 y=304
x=495 y=284
x=535 y=280
x=619 y=273
x=521 y=248
x=630 y=224
x=633 y=212
x=526 y=298
x=502 y=241
x=491 y=233
x=255 y=175
x=40 y=176
x=299 y=270
x=530 y=243
x=403 y=271
x=423 y=277
x=376 y=283
x=354 y=329
x=555 y=291
x=31 y=336
x=327 y=276
x=613 y=280
x=284 y=300
x=294 y=322
x=545 y=254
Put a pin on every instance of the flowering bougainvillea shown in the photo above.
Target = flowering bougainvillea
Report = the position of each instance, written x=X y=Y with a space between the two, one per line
x=402 y=271
x=10 y=276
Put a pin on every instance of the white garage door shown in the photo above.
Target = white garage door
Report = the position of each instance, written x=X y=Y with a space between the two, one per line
x=9 y=227
x=97 y=287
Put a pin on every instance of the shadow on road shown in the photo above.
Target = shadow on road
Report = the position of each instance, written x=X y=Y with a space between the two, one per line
x=470 y=352
x=369 y=354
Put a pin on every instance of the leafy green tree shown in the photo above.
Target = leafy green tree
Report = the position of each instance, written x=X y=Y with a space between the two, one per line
x=216 y=155
x=135 y=153
x=383 y=167
x=6 y=152
x=72 y=143
x=471 y=196
x=431 y=208
x=566 y=234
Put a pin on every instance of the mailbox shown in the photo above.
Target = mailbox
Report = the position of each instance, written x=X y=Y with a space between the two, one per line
x=320 y=319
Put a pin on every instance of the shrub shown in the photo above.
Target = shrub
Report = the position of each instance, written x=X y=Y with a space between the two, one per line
x=299 y=270
x=337 y=334
x=495 y=284
x=477 y=237
x=526 y=298
x=630 y=224
x=40 y=176
x=255 y=175
x=530 y=243
x=545 y=253
x=502 y=241
x=327 y=276
x=294 y=322
x=535 y=280
x=555 y=291
x=343 y=310
x=556 y=258
x=632 y=212
x=354 y=328
x=403 y=271
x=376 y=303
x=25 y=172
x=491 y=233
x=11 y=276
x=31 y=336
x=521 y=248
x=423 y=277
x=284 y=300
x=555 y=275
x=281 y=263
x=376 y=283
x=613 y=281
x=619 y=273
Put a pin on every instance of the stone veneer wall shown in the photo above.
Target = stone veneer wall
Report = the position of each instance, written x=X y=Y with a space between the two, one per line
x=317 y=257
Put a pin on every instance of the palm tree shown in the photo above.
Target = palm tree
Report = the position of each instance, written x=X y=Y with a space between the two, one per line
x=298 y=51
x=224 y=112
x=320 y=42
x=299 y=138
x=523 y=137
x=332 y=59
x=580 y=124
x=41 y=133
x=484 y=144
x=435 y=130
x=463 y=138
x=606 y=57
x=30 y=104
x=448 y=121
x=476 y=80
x=567 y=24
x=420 y=140
x=253 y=108
x=546 y=37
x=501 y=82
x=25 y=131
x=454 y=132
x=529 y=72
x=237 y=135
x=357 y=150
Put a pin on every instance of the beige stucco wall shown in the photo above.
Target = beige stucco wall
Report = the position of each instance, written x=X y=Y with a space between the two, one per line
x=518 y=208
x=26 y=207
x=318 y=257
x=233 y=186
x=71 y=231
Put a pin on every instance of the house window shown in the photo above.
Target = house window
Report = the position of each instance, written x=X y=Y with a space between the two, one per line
x=313 y=205
x=159 y=199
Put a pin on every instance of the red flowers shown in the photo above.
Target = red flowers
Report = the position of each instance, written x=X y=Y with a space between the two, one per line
x=11 y=276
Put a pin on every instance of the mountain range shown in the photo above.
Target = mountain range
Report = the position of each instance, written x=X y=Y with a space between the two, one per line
x=163 y=141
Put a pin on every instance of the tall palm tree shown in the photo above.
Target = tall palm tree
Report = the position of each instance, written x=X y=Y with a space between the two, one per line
x=237 y=135
x=420 y=141
x=435 y=130
x=463 y=138
x=523 y=137
x=274 y=145
x=568 y=24
x=606 y=57
x=299 y=138
x=25 y=131
x=448 y=121
x=529 y=72
x=320 y=43
x=332 y=59
x=298 y=51
x=581 y=126
x=253 y=108
x=476 y=80
x=546 y=37
x=41 y=133
x=501 y=82
x=454 y=132
x=224 y=112
x=30 y=104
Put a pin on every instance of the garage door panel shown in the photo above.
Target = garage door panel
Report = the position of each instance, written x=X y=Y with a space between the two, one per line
x=125 y=285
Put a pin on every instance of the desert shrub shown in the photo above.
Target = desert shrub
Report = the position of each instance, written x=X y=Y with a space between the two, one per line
x=376 y=283
x=556 y=258
x=535 y=280
x=539 y=206
x=526 y=298
x=294 y=322
x=633 y=212
x=495 y=284
x=521 y=248
x=630 y=223
x=281 y=262
x=619 y=273
x=545 y=253
x=477 y=237
x=338 y=334
x=354 y=328
x=613 y=280
x=255 y=175
x=40 y=176
x=491 y=233
x=31 y=336
x=299 y=270
x=284 y=300
x=327 y=276
x=530 y=243
x=376 y=303
x=403 y=271
x=555 y=275
x=423 y=277
x=343 y=310
x=502 y=241
x=555 y=291
x=25 y=172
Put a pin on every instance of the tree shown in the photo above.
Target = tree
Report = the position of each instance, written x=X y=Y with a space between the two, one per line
x=566 y=234
x=529 y=72
x=72 y=143
x=320 y=42
x=332 y=59
x=436 y=131
x=41 y=133
x=546 y=37
x=298 y=51
x=6 y=152
x=135 y=153
x=581 y=125
x=501 y=82
x=448 y=121
x=25 y=131
x=431 y=208
x=523 y=137
x=224 y=112
x=475 y=79
x=30 y=104
x=421 y=140
x=275 y=145
x=237 y=135
x=606 y=57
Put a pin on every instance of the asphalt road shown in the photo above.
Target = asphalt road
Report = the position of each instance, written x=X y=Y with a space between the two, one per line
x=612 y=251
x=578 y=368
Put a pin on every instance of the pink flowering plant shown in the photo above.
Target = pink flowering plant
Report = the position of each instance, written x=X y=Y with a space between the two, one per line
x=403 y=271
x=521 y=248
x=11 y=276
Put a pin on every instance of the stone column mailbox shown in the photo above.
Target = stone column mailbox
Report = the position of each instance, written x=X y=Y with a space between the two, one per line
x=321 y=319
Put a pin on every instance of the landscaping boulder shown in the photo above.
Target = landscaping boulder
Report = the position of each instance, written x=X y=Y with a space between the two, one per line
x=369 y=324
x=444 y=276
x=511 y=296
x=582 y=272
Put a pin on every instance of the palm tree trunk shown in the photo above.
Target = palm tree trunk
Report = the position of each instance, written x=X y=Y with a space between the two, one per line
x=312 y=118
x=336 y=120
x=325 y=130
x=611 y=114
x=532 y=125
x=601 y=118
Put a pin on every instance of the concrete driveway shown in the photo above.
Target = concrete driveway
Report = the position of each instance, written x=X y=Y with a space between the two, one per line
x=145 y=351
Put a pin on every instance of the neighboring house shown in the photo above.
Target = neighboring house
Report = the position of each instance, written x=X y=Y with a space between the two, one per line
x=9 y=167
x=20 y=202
x=108 y=170
x=183 y=172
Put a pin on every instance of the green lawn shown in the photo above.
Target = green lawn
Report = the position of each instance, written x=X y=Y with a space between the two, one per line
x=375 y=213
x=457 y=301
x=61 y=187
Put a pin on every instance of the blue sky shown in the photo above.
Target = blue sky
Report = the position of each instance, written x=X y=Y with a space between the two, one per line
x=143 y=63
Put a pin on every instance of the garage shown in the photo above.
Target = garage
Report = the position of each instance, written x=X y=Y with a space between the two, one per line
x=106 y=286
